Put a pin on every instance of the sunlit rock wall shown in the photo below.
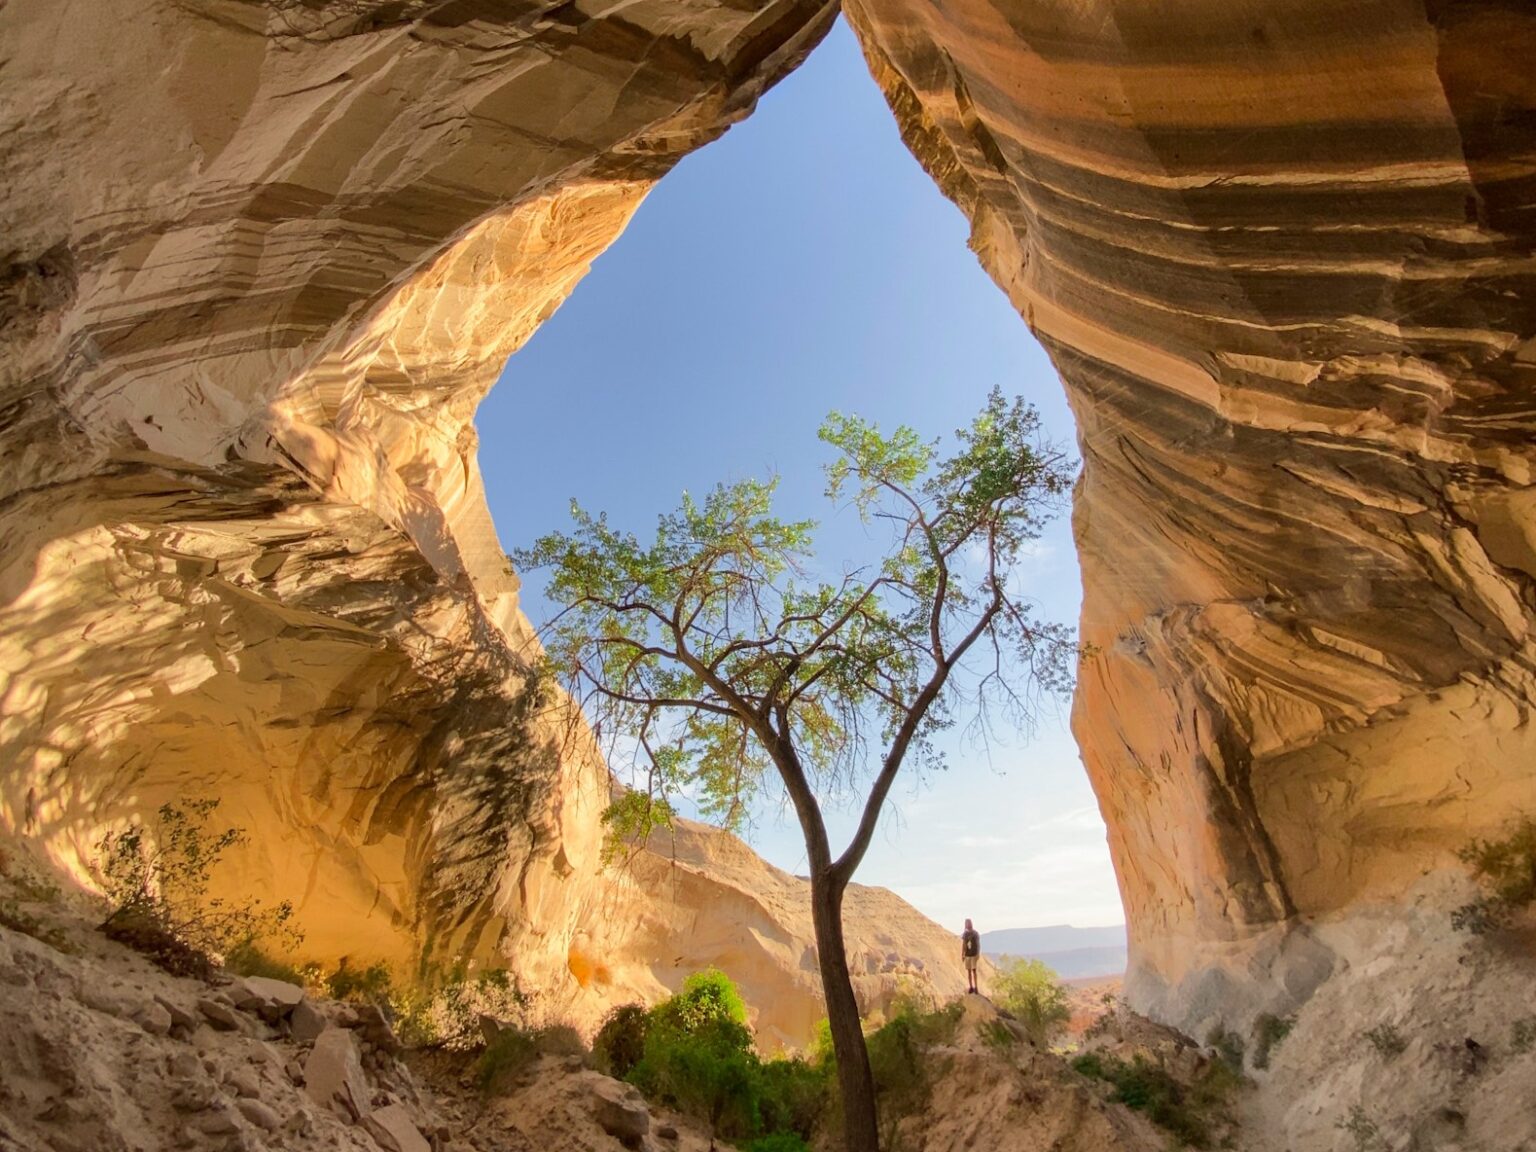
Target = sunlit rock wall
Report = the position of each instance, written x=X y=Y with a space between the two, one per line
x=258 y=264
x=1282 y=255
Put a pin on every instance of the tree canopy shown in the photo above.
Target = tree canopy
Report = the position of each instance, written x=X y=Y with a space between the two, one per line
x=715 y=639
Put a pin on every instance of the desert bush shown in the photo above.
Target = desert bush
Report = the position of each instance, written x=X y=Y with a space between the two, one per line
x=1387 y=1041
x=249 y=959
x=157 y=889
x=620 y=1042
x=1268 y=1031
x=513 y=1049
x=1228 y=1045
x=1190 y=1113
x=1506 y=869
x=1031 y=992
x=373 y=984
x=695 y=1054
x=794 y=1097
x=450 y=1016
x=18 y=919
x=1361 y=1128
x=707 y=1069
x=997 y=1035
x=779 y=1142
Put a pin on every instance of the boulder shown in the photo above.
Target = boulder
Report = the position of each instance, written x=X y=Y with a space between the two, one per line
x=259 y=1114
x=376 y=1028
x=222 y=1016
x=333 y=1074
x=306 y=1022
x=394 y=1131
x=154 y=1019
x=619 y=1109
x=271 y=999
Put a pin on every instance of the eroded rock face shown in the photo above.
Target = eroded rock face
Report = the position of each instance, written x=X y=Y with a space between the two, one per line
x=261 y=261
x=1282 y=257
x=697 y=897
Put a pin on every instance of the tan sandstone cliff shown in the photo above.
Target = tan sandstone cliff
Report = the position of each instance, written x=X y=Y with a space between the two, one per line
x=1282 y=255
x=260 y=262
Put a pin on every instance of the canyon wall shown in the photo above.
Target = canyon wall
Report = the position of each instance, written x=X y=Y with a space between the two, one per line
x=260 y=261
x=1282 y=256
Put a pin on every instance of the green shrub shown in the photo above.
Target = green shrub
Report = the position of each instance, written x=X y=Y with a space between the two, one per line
x=1507 y=871
x=620 y=1043
x=372 y=984
x=248 y=959
x=1032 y=993
x=706 y=1069
x=1228 y=1046
x=1188 y=1113
x=997 y=1035
x=694 y=1052
x=706 y=996
x=779 y=1142
x=1362 y=1128
x=449 y=1016
x=1268 y=1031
x=1387 y=1041
x=794 y=1096
x=157 y=891
x=13 y=916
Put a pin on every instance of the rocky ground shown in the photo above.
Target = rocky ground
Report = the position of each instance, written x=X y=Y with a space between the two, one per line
x=101 y=1051
x=1423 y=1040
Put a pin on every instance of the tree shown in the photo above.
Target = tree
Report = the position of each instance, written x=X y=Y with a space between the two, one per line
x=720 y=657
x=1033 y=993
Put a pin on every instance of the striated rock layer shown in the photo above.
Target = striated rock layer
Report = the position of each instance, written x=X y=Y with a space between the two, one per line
x=1282 y=256
x=259 y=263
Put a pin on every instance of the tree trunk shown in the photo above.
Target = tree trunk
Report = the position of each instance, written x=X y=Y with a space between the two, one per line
x=861 y=1131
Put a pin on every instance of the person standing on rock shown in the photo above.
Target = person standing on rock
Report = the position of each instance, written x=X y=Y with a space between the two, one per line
x=970 y=954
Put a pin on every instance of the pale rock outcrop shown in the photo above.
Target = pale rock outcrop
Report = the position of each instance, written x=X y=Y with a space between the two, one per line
x=697 y=897
x=1281 y=256
x=261 y=261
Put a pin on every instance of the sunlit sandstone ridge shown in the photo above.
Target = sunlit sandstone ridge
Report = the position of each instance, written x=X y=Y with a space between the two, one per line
x=1282 y=255
x=261 y=261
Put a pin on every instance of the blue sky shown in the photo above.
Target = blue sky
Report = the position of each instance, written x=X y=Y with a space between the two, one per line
x=804 y=263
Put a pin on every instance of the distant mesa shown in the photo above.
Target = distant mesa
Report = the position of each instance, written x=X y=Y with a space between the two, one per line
x=1073 y=953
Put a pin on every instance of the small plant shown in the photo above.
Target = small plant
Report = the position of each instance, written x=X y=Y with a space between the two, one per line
x=14 y=917
x=1228 y=1046
x=248 y=959
x=1507 y=871
x=695 y=1054
x=1387 y=1040
x=1522 y=1035
x=779 y=1142
x=372 y=984
x=157 y=888
x=1360 y=1126
x=1190 y=1113
x=1033 y=994
x=1268 y=1031
x=997 y=1035
x=512 y=1050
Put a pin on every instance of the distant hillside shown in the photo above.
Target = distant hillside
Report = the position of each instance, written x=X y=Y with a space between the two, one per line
x=1073 y=952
